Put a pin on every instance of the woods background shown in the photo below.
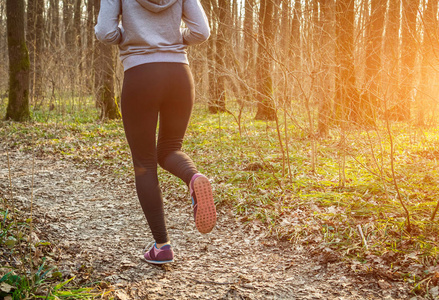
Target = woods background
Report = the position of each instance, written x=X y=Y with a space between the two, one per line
x=359 y=74
x=333 y=61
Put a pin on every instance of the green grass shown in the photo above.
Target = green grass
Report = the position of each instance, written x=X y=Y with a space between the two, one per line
x=307 y=207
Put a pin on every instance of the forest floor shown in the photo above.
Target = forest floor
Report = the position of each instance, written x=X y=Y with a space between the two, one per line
x=97 y=232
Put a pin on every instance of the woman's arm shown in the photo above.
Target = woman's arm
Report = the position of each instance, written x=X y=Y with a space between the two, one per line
x=197 y=30
x=107 y=30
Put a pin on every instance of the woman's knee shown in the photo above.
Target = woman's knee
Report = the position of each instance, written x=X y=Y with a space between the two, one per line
x=142 y=168
x=168 y=157
x=161 y=157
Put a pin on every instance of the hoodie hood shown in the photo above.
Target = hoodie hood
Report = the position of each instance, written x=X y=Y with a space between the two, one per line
x=156 y=5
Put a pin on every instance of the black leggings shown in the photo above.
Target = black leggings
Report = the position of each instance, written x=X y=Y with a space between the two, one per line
x=149 y=91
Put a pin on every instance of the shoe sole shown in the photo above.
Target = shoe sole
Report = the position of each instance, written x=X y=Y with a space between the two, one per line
x=205 y=219
x=158 y=262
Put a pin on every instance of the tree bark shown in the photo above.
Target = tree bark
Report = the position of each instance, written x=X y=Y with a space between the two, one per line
x=30 y=32
x=249 y=57
x=35 y=42
x=391 y=56
x=327 y=51
x=284 y=34
x=105 y=82
x=266 y=109
x=218 y=104
x=77 y=33
x=89 y=76
x=211 y=67
x=104 y=77
x=347 y=98
x=373 y=60
x=408 y=56
x=3 y=36
x=295 y=36
x=18 y=104
x=54 y=23
x=428 y=87
x=295 y=50
x=69 y=34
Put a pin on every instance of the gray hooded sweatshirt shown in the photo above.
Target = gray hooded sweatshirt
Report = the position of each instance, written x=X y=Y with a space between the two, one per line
x=150 y=30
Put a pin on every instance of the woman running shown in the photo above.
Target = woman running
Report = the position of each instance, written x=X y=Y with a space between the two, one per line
x=158 y=87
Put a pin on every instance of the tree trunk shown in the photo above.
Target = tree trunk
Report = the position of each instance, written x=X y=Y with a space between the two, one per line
x=266 y=109
x=105 y=81
x=295 y=36
x=219 y=102
x=248 y=32
x=104 y=77
x=235 y=16
x=3 y=37
x=18 y=104
x=38 y=90
x=89 y=76
x=69 y=34
x=249 y=57
x=295 y=50
x=391 y=56
x=54 y=23
x=284 y=34
x=77 y=32
x=408 y=57
x=347 y=98
x=315 y=28
x=327 y=57
x=30 y=32
x=211 y=54
x=35 y=42
x=428 y=87
x=373 y=60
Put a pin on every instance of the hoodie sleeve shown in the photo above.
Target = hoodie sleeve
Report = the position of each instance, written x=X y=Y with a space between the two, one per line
x=107 y=30
x=197 y=30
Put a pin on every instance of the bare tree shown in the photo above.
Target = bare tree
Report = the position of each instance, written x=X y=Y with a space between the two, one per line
x=347 y=104
x=89 y=42
x=18 y=105
x=409 y=38
x=218 y=103
x=69 y=33
x=104 y=66
x=3 y=47
x=266 y=110
x=391 y=52
x=35 y=42
x=53 y=21
x=375 y=28
x=249 y=57
x=77 y=33
x=327 y=51
x=428 y=87
x=295 y=40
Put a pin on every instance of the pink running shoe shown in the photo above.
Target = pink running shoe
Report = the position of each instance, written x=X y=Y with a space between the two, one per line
x=202 y=202
x=158 y=256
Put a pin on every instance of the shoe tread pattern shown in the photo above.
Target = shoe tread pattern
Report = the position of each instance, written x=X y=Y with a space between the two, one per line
x=206 y=212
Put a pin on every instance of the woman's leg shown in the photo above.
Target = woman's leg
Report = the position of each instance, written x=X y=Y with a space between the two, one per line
x=143 y=88
x=175 y=111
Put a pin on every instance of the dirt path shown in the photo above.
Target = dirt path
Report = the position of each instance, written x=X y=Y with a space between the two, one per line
x=96 y=222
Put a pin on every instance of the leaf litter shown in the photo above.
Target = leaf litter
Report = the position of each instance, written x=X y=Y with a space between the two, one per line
x=96 y=226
